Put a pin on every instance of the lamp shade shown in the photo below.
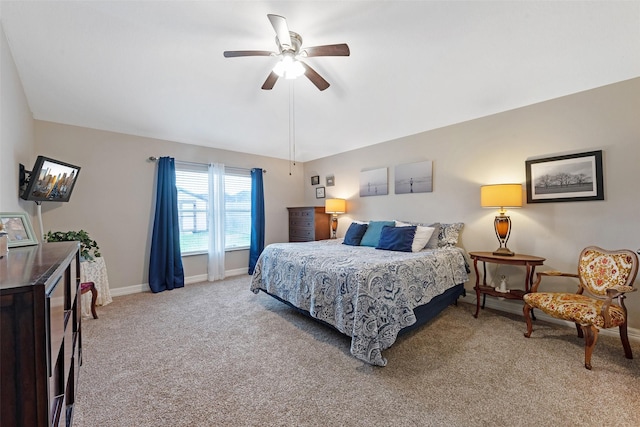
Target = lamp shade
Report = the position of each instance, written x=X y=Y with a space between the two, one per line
x=501 y=196
x=335 y=206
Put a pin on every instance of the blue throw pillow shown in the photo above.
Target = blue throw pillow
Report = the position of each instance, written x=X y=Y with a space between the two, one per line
x=397 y=238
x=372 y=235
x=354 y=234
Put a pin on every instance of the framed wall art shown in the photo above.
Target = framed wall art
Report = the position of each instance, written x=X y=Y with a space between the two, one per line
x=414 y=178
x=315 y=180
x=18 y=228
x=330 y=181
x=374 y=182
x=568 y=178
x=320 y=193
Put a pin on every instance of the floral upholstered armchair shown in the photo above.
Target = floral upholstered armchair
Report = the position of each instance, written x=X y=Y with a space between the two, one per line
x=605 y=276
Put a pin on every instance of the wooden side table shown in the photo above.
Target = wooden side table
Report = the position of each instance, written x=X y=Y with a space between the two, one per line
x=529 y=261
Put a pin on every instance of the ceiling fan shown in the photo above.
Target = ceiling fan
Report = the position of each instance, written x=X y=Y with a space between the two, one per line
x=290 y=52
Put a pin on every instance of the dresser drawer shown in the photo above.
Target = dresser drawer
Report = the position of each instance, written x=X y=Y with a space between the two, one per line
x=301 y=222
x=304 y=233
x=301 y=213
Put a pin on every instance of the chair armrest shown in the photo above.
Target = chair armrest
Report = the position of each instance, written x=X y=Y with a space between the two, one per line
x=614 y=291
x=550 y=273
x=557 y=273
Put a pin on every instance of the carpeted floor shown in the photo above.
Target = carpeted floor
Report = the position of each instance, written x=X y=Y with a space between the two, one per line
x=215 y=354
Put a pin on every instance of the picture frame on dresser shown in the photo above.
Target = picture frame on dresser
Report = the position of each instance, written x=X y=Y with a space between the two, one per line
x=18 y=228
x=566 y=178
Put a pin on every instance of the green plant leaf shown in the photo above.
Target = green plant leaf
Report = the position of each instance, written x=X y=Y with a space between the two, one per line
x=88 y=247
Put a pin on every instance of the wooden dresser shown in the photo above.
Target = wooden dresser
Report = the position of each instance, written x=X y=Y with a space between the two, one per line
x=308 y=223
x=40 y=334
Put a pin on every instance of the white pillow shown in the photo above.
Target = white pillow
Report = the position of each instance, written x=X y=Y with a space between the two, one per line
x=421 y=238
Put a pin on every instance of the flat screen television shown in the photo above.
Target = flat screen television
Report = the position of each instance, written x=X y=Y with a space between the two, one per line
x=49 y=181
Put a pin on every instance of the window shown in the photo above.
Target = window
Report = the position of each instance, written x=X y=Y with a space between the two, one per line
x=192 y=182
x=237 y=205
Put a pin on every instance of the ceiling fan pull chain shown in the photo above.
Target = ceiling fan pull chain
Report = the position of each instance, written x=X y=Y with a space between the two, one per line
x=293 y=120
x=292 y=133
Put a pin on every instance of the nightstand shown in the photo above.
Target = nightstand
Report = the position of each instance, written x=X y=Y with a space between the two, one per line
x=528 y=261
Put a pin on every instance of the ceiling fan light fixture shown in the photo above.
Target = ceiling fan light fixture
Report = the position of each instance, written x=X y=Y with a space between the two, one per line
x=289 y=67
x=290 y=53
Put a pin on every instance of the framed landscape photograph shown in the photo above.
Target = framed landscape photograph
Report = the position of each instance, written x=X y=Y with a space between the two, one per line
x=18 y=228
x=568 y=178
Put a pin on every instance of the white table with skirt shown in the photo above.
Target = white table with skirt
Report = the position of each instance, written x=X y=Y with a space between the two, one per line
x=95 y=271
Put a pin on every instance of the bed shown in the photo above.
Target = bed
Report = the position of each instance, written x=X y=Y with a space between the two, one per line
x=366 y=293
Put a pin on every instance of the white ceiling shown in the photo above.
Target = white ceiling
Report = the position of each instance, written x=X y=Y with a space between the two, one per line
x=156 y=69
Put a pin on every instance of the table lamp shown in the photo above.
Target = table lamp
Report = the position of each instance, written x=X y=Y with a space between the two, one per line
x=501 y=196
x=335 y=207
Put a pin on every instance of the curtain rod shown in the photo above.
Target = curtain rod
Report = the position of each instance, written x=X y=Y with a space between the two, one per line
x=155 y=159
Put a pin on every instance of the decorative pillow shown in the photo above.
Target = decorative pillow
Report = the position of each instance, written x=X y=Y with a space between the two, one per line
x=423 y=234
x=422 y=237
x=434 y=239
x=372 y=235
x=403 y=224
x=354 y=234
x=397 y=238
x=449 y=234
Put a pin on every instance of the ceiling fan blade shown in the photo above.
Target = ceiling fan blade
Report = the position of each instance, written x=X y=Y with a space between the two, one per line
x=270 y=82
x=236 y=53
x=279 y=24
x=328 y=50
x=315 y=78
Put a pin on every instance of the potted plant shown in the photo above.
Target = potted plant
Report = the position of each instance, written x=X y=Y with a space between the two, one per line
x=88 y=247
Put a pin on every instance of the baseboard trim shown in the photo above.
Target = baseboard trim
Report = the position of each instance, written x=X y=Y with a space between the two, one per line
x=144 y=287
x=515 y=307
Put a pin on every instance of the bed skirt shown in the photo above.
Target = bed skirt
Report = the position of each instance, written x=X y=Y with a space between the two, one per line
x=423 y=313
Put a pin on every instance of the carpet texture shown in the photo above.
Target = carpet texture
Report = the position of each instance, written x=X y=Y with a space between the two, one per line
x=215 y=354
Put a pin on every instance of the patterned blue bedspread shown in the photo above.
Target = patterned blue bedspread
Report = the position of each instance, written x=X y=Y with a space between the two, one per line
x=365 y=293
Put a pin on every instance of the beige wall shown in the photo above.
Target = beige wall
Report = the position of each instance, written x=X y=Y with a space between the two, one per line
x=16 y=132
x=114 y=196
x=493 y=150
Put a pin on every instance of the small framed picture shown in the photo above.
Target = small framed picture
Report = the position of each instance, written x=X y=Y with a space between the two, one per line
x=320 y=193
x=315 y=180
x=18 y=228
x=330 y=181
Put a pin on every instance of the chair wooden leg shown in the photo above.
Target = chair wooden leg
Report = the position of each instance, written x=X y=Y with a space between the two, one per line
x=94 y=298
x=579 y=329
x=526 y=310
x=625 y=340
x=90 y=286
x=590 y=339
